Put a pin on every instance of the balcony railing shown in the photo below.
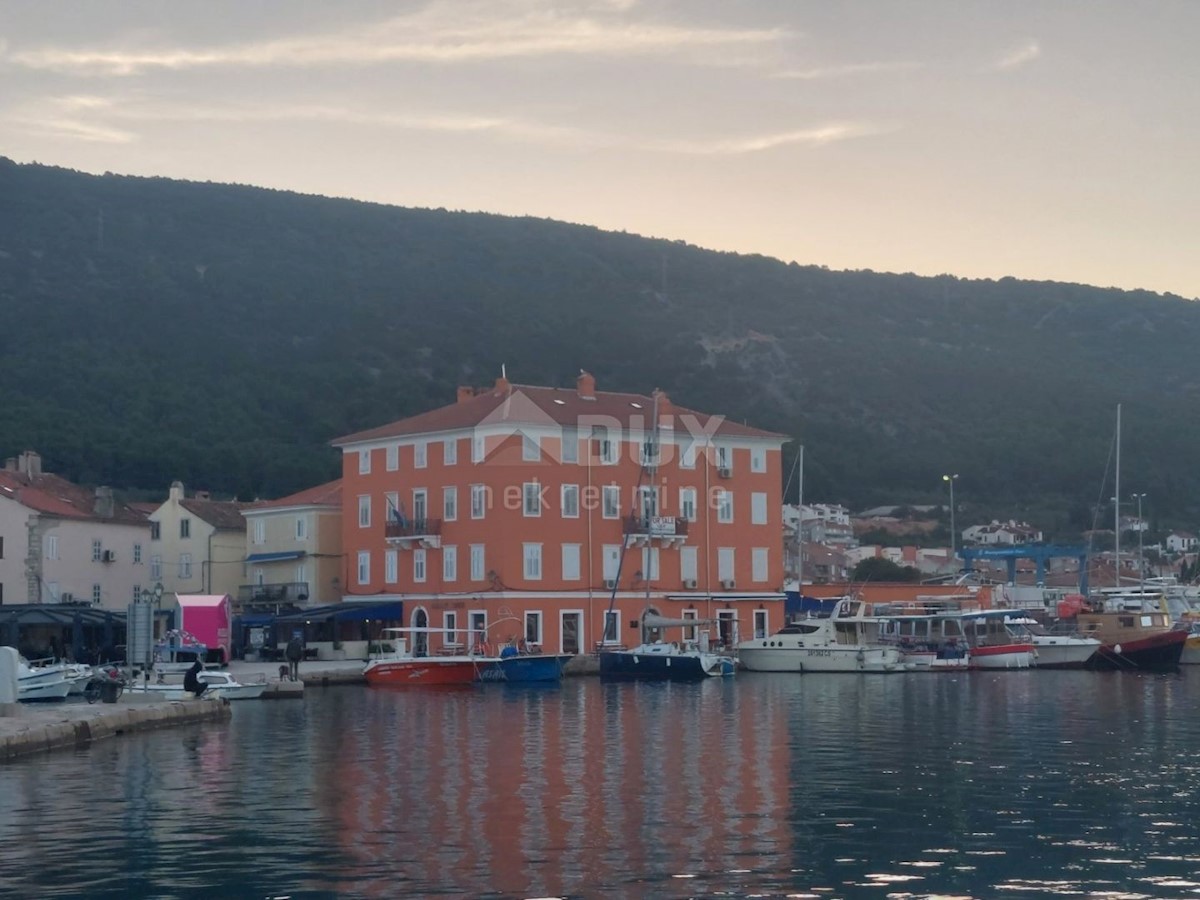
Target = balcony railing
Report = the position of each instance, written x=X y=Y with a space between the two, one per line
x=426 y=532
x=669 y=529
x=274 y=594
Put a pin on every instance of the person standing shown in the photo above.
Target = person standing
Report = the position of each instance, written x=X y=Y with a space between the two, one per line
x=295 y=652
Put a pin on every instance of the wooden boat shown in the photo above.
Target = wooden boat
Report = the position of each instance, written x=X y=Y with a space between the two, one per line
x=1055 y=650
x=1134 y=629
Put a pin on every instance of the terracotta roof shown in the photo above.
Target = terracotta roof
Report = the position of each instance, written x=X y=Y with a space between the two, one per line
x=218 y=513
x=55 y=496
x=521 y=404
x=329 y=494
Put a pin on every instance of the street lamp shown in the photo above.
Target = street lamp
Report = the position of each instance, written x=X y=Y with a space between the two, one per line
x=950 y=479
x=1141 y=527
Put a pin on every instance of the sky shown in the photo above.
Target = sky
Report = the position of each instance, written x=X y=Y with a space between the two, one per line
x=1027 y=138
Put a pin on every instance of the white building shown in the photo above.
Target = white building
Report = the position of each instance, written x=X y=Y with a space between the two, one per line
x=1181 y=542
x=1005 y=533
x=294 y=548
x=197 y=545
x=63 y=543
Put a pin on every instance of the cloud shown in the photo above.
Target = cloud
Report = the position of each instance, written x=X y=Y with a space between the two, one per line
x=1027 y=52
x=73 y=129
x=847 y=70
x=444 y=32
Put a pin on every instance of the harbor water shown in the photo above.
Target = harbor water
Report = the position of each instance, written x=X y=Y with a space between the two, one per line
x=1006 y=784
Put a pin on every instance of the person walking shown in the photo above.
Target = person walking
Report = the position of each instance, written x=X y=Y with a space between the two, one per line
x=295 y=652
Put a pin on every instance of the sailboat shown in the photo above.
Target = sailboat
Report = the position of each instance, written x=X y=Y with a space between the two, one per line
x=655 y=659
x=1132 y=624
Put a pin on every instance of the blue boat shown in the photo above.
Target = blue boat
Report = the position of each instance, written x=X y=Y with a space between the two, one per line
x=524 y=668
x=659 y=660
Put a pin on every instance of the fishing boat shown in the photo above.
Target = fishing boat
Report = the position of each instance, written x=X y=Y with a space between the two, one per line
x=848 y=640
x=1134 y=629
x=660 y=660
x=992 y=644
x=928 y=634
x=401 y=667
x=1055 y=650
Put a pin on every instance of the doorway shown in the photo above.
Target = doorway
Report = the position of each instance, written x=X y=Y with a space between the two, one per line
x=420 y=643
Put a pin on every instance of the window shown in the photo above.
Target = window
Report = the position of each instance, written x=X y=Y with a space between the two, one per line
x=725 y=563
x=364 y=462
x=687 y=564
x=155 y=531
x=612 y=561
x=260 y=531
x=477 y=566
x=479 y=500
x=533 y=627
x=760 y=624
x=570 y=562
x=185 y=565
x=647 y=501
x=450 y=503
x=137 y=554
x=137 y=593
x=302 y=576
x=52 y=546
x=420 y=507
x=97 y=595
x=156 y=568
x=724 y=506
x=393 y=457
x=689 y=631
x=570 y=501
x=758 y=509
x=418 y=565
x=364 y=511
x=530 y=449
x=612 y=502
x=391 y=501
x=420 y=454
x=390 y=574
x=450 y=627
x=364 y=566
x=301 y=528
x=758 y=564
x=687 y=504
x=723 y=458
x=450 y=452
x=450 y=563
x=570 y=446
x=612 y=626
x=97 y=551
x=650 y=563
x=649 y=452
x=533 y=562
x=758 y=460
x=533 y=498
x=606 y=447
x=478 y=449
x=185 y=528
x=687 y=459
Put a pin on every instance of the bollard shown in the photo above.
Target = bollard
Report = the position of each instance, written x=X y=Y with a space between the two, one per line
x=9 y=669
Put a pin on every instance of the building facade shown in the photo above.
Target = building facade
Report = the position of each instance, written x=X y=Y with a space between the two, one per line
x=559 y=516
x=293 y=549
x=63 y=543
x=197 y=545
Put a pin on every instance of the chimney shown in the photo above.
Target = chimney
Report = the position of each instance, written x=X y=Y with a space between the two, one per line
x=664 y=402
x=465 y=393
x=103 y=507
x=177 y=493
x=502 y=384
x=30 y=464
x=585 y=385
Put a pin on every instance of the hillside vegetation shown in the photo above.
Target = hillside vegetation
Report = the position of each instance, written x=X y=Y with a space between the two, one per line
x=158 y=329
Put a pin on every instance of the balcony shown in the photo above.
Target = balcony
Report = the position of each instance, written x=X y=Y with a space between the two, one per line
x=273 y=596
x=408 y=533
x=670 y=531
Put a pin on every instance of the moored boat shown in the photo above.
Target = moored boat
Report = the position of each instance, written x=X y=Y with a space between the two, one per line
x=41 y=682
x=847 y=641
x=1135 y=631
x=525 y=668
x=993 y=645
x=1055 y=650
x=401 y=667
x=220 y=684
x=655 y=659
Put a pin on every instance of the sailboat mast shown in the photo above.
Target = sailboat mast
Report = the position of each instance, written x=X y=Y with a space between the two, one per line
x=1117 y=503
x=647 y=504
x=800 y=528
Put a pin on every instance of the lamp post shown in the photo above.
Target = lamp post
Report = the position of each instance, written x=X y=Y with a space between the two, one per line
x=950 y=479
x=1141 y=526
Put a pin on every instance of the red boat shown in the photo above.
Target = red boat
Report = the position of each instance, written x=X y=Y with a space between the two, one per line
x=401 y=667
x=1135 y=631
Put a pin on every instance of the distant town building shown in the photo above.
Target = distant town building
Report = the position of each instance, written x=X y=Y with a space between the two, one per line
x=197 y=544
x=1181 y=542
x=1007 y=533
x=294 y=549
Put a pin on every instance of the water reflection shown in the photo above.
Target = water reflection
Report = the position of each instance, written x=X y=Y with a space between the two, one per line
x=1020 y=784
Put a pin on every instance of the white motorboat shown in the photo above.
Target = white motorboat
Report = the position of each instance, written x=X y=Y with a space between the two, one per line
x=847 y=641
x=47 y=682
x=79 y=675
x=1055 y=651
x=220 y=684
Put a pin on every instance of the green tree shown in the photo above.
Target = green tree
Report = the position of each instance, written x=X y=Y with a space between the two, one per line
x=876 y=568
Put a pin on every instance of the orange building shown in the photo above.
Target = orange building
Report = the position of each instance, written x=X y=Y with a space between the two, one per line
x=558 y=516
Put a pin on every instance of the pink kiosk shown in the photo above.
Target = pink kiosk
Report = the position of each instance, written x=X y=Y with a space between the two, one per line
x=207 y=618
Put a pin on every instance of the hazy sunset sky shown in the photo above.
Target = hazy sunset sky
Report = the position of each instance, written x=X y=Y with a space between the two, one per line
x=1044 y=140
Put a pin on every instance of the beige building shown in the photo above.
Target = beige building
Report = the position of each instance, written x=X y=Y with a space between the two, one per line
x=197 y=545
x=63 y=543
x=293 y=549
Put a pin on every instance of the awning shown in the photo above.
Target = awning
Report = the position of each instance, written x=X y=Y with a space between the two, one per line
x=346 y=612
x=254 y=620
x=276 y=557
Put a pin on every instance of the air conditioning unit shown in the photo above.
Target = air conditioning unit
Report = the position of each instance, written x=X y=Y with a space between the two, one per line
x=728 y=584
x=108 y=556
x=689 y=584
x=725 y=472
x=610 y=583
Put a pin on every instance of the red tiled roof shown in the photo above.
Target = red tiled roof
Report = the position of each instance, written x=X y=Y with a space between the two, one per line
x=329 y=494
x=531 y=405
x=55 y=496
x=218 y=513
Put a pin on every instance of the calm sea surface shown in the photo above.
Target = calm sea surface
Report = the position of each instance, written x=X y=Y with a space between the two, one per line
x=1021 y=784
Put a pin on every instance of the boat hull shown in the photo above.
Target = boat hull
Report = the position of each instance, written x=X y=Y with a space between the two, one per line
x=525 y=669
x=1154 y=653
x=1191 y=651
x=846 y=659
x=631 y=665
x=940 y=659
x=1064 y=654
x=1002 y=656
x=422 y=671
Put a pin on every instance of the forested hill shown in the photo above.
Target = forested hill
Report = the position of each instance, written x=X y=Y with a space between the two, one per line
x=222 y=335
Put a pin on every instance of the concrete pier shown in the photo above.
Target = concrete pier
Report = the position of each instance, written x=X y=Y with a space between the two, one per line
x=42 y=727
